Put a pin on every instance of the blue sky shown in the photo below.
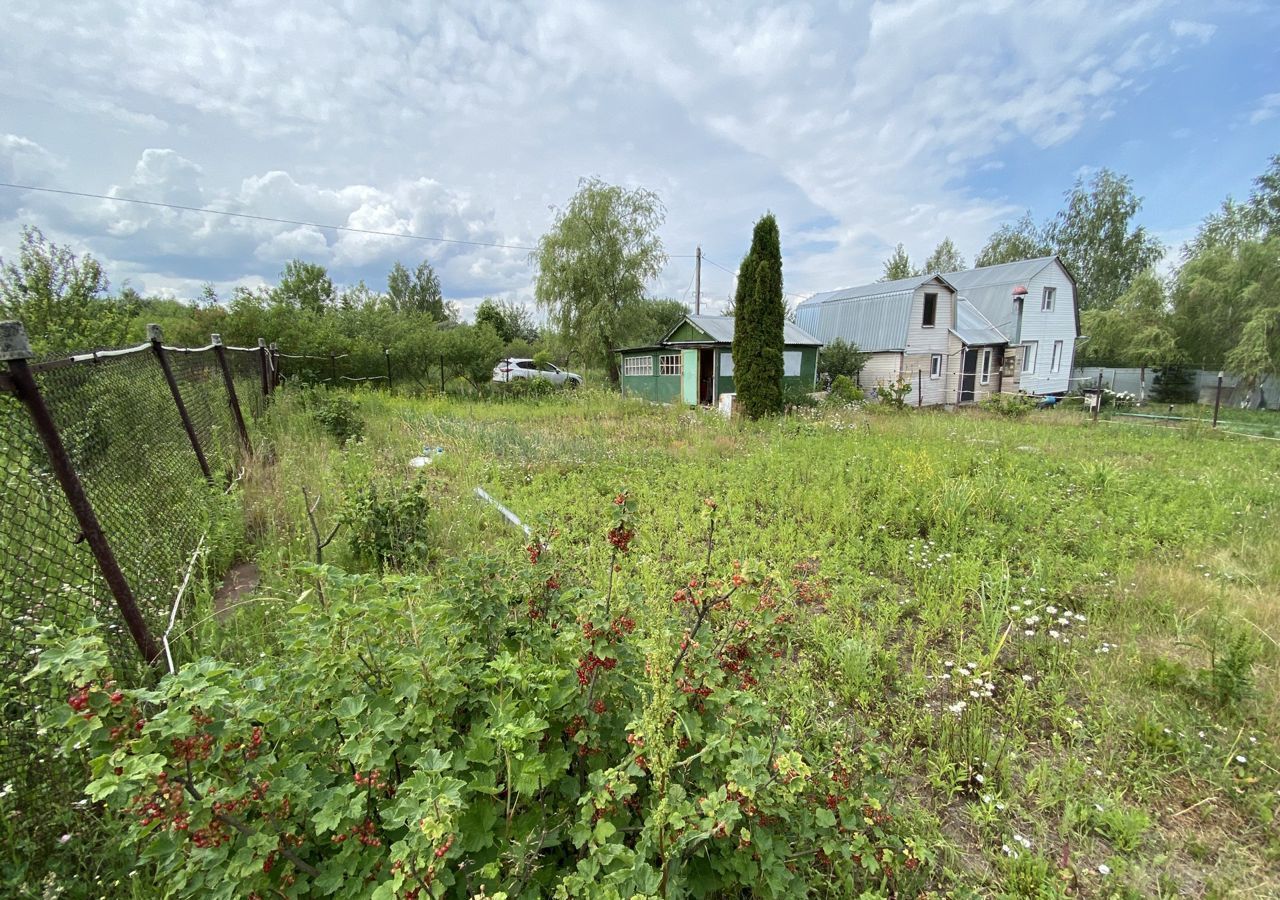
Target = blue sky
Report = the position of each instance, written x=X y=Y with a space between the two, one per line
x=858 y=124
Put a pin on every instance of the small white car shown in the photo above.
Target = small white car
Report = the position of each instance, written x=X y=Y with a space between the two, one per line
x=511 y=369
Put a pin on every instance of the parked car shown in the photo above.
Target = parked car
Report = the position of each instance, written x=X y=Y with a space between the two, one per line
x=511 y=369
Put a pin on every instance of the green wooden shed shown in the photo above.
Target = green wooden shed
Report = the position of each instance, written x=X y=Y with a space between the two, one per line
x=693 y=364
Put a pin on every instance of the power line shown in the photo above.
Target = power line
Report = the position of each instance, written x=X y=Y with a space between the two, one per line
x=257 y=218
x=706 y=258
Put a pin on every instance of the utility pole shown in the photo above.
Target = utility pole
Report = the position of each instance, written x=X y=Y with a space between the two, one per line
x=697 y=284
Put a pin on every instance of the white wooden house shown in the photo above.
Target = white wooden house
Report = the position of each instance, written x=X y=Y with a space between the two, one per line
x=959 y=336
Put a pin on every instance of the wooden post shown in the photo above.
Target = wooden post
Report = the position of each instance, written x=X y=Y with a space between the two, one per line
x=1097 y=401
x=275 y=365
x=155 y=336
x=919 y=388
x=442 y=373
x=16 y=350
x=221 y=353
x=266 y=369
x=1217 y=400
x=697 y=280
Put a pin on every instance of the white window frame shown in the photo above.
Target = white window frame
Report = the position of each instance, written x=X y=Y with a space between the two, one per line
x=792 y=362
x=1047 y=298
x=1056 y=361
x=726 y=363
x=935 y=366
x=986 y=366
x=637 y=366
x=1030 y=350
x=670 y=364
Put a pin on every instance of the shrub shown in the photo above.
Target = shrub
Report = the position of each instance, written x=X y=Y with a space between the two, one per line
x=387 y=522
x=495 y=725
x=844 y=391
x=841 y=359
x=337 y=412
x=893 y=394
x=1012 y=406
x=795 y=396
x=530 y=388
x=1174 y=384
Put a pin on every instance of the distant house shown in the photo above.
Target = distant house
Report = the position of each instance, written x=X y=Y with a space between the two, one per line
x=693 y=364
x=959 y=336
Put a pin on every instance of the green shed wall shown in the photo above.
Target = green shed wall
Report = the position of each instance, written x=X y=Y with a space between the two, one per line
x=686 y=332
x=655 y=387
x=807 y=378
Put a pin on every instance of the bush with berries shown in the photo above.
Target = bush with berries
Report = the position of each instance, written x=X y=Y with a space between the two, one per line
x=500 y=729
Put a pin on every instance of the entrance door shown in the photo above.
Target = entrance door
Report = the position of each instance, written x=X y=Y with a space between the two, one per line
x=707 y=377
x=689 y=376
x=968 y=374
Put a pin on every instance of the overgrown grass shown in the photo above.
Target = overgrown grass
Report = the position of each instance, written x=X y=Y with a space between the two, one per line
x=1066 y=633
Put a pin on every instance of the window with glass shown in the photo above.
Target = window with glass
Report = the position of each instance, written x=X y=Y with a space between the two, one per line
x=930 y=317
x=637 y=365
x=1046 y=300
x=935 y=366
x=986 y=366
x=1029 y=356
x=1057 y=356
x=669 y=364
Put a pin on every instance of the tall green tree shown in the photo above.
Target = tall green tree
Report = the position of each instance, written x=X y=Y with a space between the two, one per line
x=305 y=285
x=898 y=265
x=510 y=321
x=1137 y=331
x=60 y=298
x=1227 y=308
x=945 y=258
x=1014 y=241
x=758 y=324
x=650 y=320
x=1096 y=238
x=1237 y=223
x=417 y=291
x=595 y=261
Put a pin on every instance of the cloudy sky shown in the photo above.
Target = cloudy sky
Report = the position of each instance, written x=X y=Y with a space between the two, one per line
x=860 y=124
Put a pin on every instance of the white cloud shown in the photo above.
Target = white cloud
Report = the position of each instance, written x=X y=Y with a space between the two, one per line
x=1200 y=32
x=859 y=125
x=1268 y=108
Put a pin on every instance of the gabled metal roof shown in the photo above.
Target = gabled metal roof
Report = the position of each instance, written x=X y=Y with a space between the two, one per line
x=720 y=330
x=878 y=289
x=1018 y=272
x=973 y=327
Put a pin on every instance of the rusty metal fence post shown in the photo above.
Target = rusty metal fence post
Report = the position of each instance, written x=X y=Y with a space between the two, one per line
x=387 y=354
x=156 y=337
x=221 y=353
x=15 y=350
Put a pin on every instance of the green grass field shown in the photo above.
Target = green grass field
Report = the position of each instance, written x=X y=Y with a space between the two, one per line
x=1053 y=642
x=1109 y=591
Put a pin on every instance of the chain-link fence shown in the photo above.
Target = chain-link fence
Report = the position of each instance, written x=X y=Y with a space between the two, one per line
x=113 y=464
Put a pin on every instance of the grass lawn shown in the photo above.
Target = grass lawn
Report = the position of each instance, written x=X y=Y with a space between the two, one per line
x=1064 y=635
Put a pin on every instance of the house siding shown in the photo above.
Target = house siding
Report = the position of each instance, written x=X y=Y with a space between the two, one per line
x=879 y=367
x=668 y=388
x=923 y=342
x=996 y=303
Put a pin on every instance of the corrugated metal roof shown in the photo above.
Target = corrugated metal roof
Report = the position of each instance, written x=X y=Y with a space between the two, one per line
x=720 y=330
x=866 y=291
x=1006 y=273
x=874 y=323
x=973 y=327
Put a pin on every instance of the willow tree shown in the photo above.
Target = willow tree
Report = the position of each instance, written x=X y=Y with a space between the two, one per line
x=759 y=319
x=594 y=262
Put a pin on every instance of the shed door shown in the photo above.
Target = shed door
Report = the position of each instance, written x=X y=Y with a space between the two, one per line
x=689 y=376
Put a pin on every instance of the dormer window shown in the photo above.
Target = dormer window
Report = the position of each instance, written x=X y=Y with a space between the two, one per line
x=929 y=319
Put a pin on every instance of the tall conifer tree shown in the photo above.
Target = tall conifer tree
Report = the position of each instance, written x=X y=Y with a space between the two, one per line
x=759 y=320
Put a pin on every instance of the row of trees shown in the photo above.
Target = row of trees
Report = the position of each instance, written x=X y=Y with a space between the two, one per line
x=1217 y=307
x=67 y=304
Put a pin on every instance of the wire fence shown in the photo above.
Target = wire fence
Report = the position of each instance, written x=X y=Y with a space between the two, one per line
x=113 y=465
